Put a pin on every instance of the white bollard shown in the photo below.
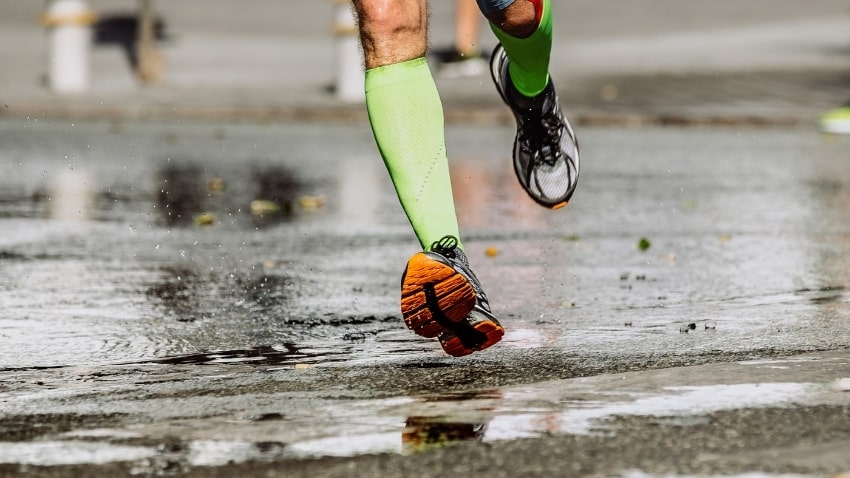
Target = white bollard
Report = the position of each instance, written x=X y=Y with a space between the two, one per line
x=69 y=33
x=348 y=60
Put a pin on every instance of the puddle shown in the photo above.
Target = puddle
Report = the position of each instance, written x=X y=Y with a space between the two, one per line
x=217 y=453
x=190 y=194
x=407 y=425
x=388 y=442
x=590 y=417
x=430 y=422
x=53 y=453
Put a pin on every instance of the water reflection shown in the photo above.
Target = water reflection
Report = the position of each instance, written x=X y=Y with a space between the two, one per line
x=187 y=192
x=313 y=427
x=181 y=194
x=424 y=433
x=442 y=424
x=360 y=187
x=372 y=426
x=524 y=412
x=74 y=194
x=487 y=195
x=265 y=195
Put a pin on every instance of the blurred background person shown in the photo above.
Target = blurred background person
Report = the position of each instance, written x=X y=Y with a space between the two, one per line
x=465 y=57
x=836 y=121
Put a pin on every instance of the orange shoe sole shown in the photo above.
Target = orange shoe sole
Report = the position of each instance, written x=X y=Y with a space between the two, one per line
x=489 y=331
x=453 y=294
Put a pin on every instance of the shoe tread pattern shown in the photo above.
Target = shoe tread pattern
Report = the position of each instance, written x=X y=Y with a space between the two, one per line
x=455 y=295
x=491 y=333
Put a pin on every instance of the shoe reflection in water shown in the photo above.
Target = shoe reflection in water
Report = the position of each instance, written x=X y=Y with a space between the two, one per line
x=448 y=419
x=425 y=433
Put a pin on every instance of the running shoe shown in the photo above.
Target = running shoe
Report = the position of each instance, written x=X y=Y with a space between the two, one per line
x=836 y=121
x=545 y=149
x=441 y=297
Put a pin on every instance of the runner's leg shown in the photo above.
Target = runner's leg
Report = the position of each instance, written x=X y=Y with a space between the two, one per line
x=406 y=113
x=524 y=27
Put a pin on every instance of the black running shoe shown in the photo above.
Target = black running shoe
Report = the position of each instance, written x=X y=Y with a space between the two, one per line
x=451 y=63
x=441 y=297
x=545 y=149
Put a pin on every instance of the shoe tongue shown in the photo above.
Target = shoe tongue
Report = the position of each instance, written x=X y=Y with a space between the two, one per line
x=531 y=106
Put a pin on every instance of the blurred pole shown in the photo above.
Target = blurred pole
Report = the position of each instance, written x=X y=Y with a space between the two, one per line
x=69 y=34
x=150 y=65
x=348 y=61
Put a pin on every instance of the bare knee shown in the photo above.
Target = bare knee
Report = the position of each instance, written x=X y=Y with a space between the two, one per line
x=392 y=31
x=518 y=20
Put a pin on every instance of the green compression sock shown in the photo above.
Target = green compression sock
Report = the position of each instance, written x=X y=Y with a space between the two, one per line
x=529 y=57
x=407 y=120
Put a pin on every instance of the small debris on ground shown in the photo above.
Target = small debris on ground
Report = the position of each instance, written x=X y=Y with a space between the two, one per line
x=262 y=207
x=205 y=219
x=312 y=202
x=215 y=185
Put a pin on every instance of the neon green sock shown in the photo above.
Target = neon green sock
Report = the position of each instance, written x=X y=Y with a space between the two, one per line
x=407 y=120
x=529 y=57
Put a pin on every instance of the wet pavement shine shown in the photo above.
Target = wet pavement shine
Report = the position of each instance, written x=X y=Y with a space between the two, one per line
x=216 y=299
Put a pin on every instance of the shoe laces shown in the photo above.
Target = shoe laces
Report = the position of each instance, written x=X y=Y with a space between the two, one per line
x=447 y=246
x=543 y=136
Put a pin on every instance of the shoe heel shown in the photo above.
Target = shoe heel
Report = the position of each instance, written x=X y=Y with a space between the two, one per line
x=431 y=288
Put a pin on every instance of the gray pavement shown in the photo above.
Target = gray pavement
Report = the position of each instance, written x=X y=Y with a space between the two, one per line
x=660 y=61
x=138 y=338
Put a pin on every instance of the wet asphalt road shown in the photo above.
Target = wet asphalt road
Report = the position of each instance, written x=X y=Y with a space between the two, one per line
x=222 y=299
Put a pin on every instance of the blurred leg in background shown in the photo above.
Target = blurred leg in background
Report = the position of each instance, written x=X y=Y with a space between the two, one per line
x=464 y=58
